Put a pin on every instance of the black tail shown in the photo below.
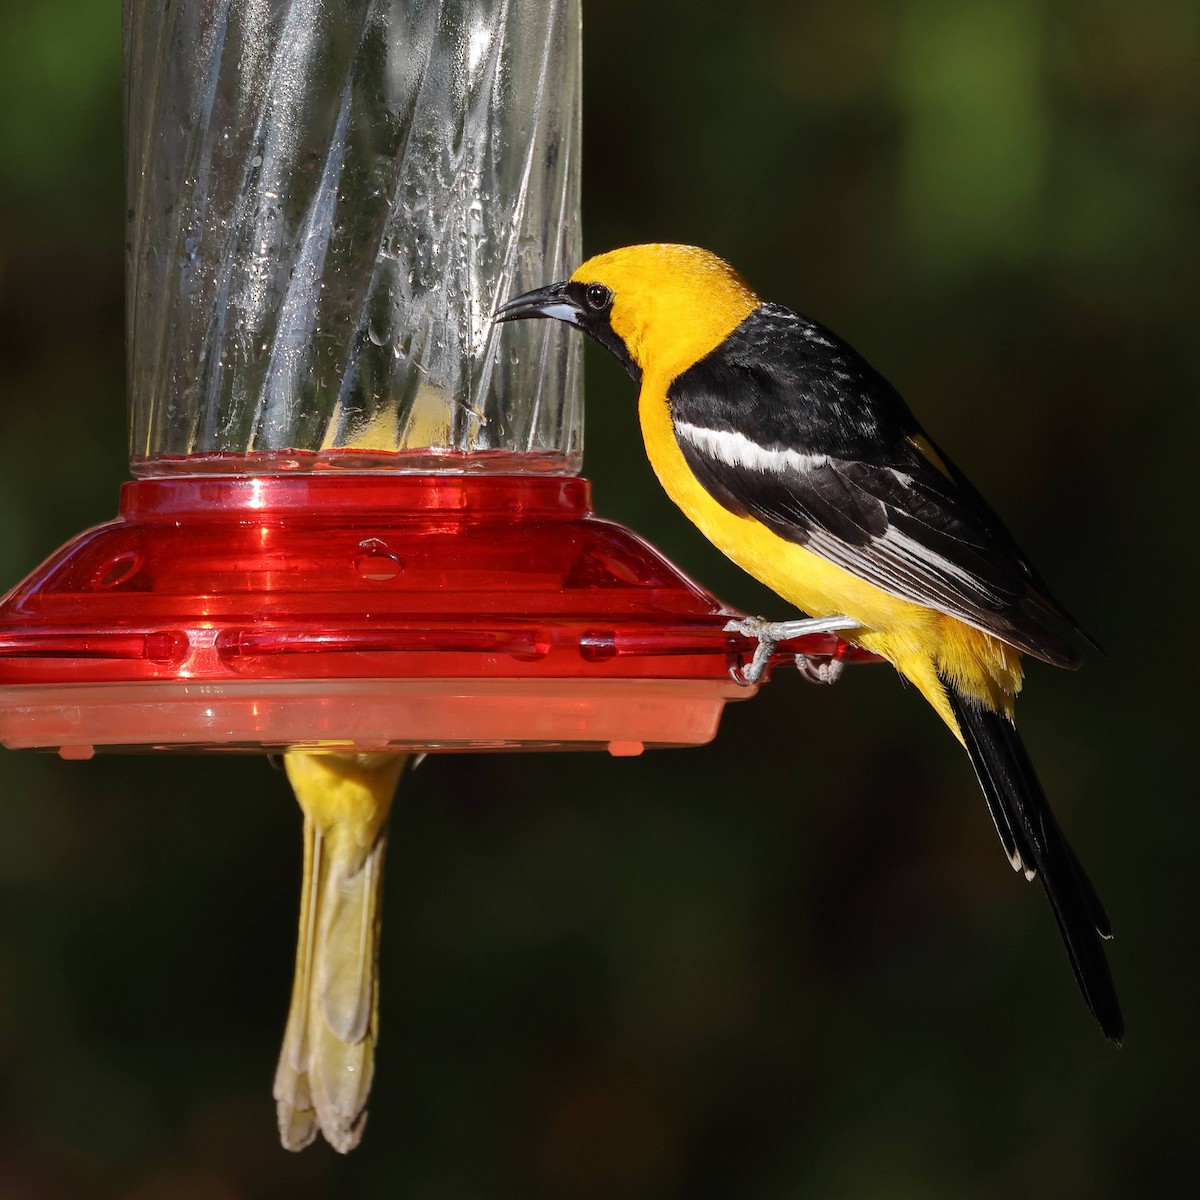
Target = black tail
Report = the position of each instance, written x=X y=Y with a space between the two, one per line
x=1034 y=843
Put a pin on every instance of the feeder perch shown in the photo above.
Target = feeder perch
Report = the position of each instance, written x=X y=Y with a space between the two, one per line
x=355 y=521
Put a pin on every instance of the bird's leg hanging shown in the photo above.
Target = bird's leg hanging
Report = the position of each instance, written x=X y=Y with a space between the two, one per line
x=769 y=634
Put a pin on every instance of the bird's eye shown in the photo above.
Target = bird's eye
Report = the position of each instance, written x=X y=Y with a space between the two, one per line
x=598 y=297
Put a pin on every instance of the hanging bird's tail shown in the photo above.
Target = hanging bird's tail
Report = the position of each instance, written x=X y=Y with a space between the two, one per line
x=328 y=1058
x=1035 y=844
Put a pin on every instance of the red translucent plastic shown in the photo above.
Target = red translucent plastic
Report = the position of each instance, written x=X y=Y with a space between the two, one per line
x=368 y=611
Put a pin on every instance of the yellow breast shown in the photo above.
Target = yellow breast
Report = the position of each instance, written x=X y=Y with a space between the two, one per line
x=917 y=640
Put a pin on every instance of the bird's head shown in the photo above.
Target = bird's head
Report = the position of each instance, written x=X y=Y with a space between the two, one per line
x=657 y=308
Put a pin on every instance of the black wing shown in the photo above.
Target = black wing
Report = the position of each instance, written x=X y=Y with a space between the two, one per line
x=786 y=423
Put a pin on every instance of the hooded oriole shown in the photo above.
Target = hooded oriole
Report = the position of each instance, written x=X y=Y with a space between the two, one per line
x=804 y=466
x=328 y=1057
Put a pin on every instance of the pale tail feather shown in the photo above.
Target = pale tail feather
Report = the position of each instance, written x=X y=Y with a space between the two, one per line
x=325 y=1069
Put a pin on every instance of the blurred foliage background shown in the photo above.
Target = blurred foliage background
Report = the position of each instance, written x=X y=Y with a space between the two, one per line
x=793 y=963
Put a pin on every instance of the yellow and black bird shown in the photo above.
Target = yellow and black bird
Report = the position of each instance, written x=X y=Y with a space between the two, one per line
x=802 y=463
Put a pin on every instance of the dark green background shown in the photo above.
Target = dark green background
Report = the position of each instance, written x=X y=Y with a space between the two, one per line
x=791 y=964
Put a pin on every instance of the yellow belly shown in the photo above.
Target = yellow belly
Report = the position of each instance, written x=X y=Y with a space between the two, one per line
x=918 y=641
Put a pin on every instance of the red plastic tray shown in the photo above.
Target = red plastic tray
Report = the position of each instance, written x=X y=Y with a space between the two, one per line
x=370 y=611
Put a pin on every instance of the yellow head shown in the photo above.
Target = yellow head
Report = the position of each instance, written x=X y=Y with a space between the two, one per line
x=658 y=308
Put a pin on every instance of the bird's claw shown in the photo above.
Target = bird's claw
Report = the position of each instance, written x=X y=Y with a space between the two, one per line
x=823 y=669
x=765 y=639
x=768 y=634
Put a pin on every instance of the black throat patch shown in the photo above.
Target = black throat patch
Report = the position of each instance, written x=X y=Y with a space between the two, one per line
x=598 y=325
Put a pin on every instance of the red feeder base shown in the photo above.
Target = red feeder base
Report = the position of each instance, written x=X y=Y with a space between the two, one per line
x=371 y=612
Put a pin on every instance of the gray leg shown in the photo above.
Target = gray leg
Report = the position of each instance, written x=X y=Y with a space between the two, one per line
x=770 y=633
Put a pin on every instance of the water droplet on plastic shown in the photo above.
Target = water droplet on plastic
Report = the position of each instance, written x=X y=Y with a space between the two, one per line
x=377 y=561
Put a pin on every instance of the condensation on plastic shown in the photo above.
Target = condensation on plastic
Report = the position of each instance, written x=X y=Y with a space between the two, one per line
x=327 y=199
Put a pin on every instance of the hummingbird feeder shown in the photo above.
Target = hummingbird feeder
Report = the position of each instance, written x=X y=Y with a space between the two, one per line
x=355 y=521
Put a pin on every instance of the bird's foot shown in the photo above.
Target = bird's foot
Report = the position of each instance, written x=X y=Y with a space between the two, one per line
x=769 y=634
x=820 y=668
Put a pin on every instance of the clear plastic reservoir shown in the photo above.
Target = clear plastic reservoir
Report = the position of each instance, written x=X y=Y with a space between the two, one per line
x=327 y=200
